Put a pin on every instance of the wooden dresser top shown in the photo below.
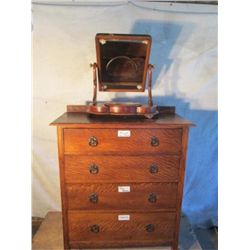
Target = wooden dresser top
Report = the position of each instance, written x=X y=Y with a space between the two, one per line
x=79 y=119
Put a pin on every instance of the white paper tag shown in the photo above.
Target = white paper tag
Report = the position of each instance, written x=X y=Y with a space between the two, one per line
x=123 y=189
x=124 y=133
x=123 y=217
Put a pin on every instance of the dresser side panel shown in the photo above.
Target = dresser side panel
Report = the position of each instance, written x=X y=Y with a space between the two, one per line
x=64 y=200
x=181 y=185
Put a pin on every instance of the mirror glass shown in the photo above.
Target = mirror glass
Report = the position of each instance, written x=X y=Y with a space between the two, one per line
x=122 y=64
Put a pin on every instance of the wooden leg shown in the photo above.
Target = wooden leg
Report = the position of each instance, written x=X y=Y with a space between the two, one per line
x=175 y=245
x=66 y=246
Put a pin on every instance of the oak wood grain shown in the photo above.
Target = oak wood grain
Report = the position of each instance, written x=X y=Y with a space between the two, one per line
x=77 y=141
x=164 y=168
x=64 y=200
x=145 y=196
x=111 y=228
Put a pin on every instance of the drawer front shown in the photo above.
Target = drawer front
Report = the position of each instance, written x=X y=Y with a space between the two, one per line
x=101 y=169
x=102 y=226
x=91 y=141
x=122 y=196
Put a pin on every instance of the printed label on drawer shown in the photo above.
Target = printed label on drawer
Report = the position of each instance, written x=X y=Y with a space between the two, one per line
x=123 y=217
x=123 y=133
x=123 y=189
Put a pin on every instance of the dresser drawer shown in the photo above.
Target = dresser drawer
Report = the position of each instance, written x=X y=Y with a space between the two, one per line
x=122 y=196
x=92 y=141
x=112 y=226
x=101 y=169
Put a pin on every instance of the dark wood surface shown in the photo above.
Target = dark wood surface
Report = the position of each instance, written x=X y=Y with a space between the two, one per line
x=122 y=161
x=132 y=46
x=76 y=119
x=84 y=108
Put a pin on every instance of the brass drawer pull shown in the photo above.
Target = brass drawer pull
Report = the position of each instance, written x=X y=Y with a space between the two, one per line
x=93 y=169
x=152 y=198
x=155 y=141
x=153 y=169
x=95 y=228
x=93 y=198
x=93 y=142
x=150 y=228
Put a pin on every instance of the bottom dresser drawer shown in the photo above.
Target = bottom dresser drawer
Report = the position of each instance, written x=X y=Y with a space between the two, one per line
x=155 y=228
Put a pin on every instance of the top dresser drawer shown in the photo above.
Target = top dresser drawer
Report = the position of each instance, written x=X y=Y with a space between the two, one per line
x=91 y=141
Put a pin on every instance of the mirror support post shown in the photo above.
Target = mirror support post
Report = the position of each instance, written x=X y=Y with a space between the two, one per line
x=94 y=66
x=150 y=99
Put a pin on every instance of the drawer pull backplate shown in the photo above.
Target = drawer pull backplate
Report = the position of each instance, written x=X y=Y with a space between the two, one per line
x=93 y=198
x=155 y=141
x=152 y=198
x=95 y=228
x=153 y=169
x=93 y=142
x=150 y=228
x=93 y=169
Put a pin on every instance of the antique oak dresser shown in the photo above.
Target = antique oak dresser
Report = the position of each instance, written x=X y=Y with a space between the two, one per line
x=121 y=179
x=121 y=174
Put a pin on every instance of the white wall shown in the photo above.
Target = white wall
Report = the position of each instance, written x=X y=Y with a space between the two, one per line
x=184 y=53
